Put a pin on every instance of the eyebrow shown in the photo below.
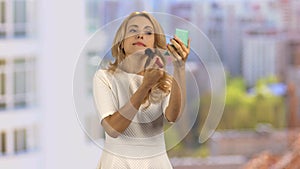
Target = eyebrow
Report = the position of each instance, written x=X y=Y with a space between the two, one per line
x=136 y=26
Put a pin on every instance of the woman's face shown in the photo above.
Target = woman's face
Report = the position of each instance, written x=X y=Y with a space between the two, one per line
x=139 y=35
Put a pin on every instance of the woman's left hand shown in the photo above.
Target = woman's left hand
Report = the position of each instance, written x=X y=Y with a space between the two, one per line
x=178 y=50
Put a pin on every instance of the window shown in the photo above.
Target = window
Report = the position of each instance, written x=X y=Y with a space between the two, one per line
x=20 y=15
x=17 y=18
x=101 y=12
x=110 y=10
x=2 y=84
x=30 y=80
x=93 y=15
x=24 y=82
x=2 y=18
x=2 y=12
x=20 y=140
x=20 y=77
x=92 y=64
x=2 y=143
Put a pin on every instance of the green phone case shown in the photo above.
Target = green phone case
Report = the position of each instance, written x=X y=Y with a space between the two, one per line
x=183 y=35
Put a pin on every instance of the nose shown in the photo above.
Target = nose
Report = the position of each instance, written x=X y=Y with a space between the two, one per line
x=140 y=36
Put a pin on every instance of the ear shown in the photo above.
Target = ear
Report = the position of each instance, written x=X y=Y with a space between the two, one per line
x=120 y=48
x=122 y=45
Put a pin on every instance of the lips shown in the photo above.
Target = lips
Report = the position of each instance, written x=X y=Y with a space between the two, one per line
x=139 y=44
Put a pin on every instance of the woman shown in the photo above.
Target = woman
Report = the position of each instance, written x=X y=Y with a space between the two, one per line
x=135 y=95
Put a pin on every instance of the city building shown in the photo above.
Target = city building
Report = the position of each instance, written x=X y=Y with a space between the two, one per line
x=293 y=82
x=289 y=12
x=264 y=55
x=19 y=114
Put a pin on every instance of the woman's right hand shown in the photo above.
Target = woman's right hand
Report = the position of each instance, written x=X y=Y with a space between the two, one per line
x=152 y=76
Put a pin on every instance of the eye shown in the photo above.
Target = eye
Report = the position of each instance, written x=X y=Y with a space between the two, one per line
x=148 y=32
x=132 y=30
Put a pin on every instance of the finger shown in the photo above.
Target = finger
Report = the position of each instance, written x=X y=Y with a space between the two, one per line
x=186 y=50
x=177 y=48
x=184 y=56
x=174 y=53
x=179 y=41
x=182 y=50
x=189 y=43
x=160 y=72
x=189 y=46
x=176 y=44
x=182 y=45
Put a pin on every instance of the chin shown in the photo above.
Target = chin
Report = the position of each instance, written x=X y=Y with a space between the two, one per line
x=139 y=49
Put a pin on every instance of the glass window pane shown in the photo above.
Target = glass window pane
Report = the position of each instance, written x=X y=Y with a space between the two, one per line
x=93 y=15
x=2 y=19
x=24 y=139
x=30 y=81
x=15 y=140
x=2 y=91
x=92 y=64
x=111 y=9
x=20 y=83
x=30 y=72
x=3 y=143
x=2 y=12
x=2 y=33
x=2 y=77
x=20 y=140
x=20 y=17
x=2 y=84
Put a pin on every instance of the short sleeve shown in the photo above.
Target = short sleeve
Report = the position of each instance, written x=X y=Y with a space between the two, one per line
x=104 y=98
x=165 y=103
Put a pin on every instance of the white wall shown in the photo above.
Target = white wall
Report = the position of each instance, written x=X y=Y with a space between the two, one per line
x=62 y=34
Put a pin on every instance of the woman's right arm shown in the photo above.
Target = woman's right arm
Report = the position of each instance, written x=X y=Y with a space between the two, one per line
x=117 y=123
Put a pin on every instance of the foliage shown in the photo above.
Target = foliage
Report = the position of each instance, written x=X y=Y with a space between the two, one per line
x=245 y=111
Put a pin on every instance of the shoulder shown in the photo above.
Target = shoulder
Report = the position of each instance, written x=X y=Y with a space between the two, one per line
x=105 y=73
x=108 y=76
x=101 y=72
x=102 y=75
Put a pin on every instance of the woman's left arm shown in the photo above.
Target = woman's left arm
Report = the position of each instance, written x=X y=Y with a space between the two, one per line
x=177 y=100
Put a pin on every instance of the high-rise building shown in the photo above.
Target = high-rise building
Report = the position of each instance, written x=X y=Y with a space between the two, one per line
x=19 y=115
x=289 y=13
x=264 y=54
x=231 y=44
x=293 y=83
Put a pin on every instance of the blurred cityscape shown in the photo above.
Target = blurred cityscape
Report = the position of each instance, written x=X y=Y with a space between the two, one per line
x=258 y=42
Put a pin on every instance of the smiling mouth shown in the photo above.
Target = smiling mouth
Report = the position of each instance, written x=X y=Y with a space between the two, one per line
x=139 y=44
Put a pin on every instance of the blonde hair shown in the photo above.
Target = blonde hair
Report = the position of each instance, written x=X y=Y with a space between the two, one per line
x=164 y=84
x=117 y=49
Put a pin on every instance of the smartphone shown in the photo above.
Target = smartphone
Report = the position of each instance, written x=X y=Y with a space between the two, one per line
x=183 y=35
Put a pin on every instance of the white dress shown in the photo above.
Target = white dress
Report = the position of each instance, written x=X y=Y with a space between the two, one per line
x=142 y=144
